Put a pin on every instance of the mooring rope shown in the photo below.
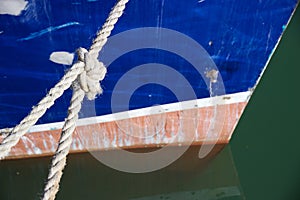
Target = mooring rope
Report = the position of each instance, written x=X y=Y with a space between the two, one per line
x=84 y=76
x=38 y=111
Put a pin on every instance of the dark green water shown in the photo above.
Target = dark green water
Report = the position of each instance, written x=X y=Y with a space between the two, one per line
x=85 y=178
x=261 y=162
x=265 y=145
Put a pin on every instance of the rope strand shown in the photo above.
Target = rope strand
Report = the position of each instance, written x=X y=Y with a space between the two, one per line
x=102 y=35
x=65 y=141
x=88 y=84
x=39 y=110
x=85 y=76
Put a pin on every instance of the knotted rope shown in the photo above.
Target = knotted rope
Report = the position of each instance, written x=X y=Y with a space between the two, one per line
x=84 y=76
x=94 y=71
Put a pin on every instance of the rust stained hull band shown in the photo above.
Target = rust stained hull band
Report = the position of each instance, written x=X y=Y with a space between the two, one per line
x=178 y=127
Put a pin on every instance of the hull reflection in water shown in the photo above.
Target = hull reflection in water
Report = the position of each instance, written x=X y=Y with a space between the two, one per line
x=214 y=177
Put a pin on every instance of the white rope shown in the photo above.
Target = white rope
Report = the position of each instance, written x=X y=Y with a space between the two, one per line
x=107 y=27
x=4 y=132
x=94 y=71
x=59 y=159
x=38 y=111
x=85 y=75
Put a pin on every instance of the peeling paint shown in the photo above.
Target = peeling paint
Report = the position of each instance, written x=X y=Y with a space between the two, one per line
x=12 y=7
x=114 y=141
x=212 y=75
x=73 y=146
x=44 y=142
x=80 y=146
x=52 y=141
x=104 y=136
x=35 y=149
x=28 y=150
x=62 y=57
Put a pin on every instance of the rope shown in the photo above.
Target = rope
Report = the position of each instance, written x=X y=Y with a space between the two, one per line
x=4 y=132
x=85 y=75
x=65 y=141
x=88 y=83
x=38 y=111
x=102 y=35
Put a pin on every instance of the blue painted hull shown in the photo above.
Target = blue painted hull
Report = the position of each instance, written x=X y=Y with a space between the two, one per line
x=239 y=35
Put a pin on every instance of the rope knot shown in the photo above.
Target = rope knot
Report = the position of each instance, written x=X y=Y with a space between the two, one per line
x=94 y=72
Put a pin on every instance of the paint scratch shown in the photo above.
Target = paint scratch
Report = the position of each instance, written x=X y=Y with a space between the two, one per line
x=47 y=30
x=24 y=140
x=52 y=141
